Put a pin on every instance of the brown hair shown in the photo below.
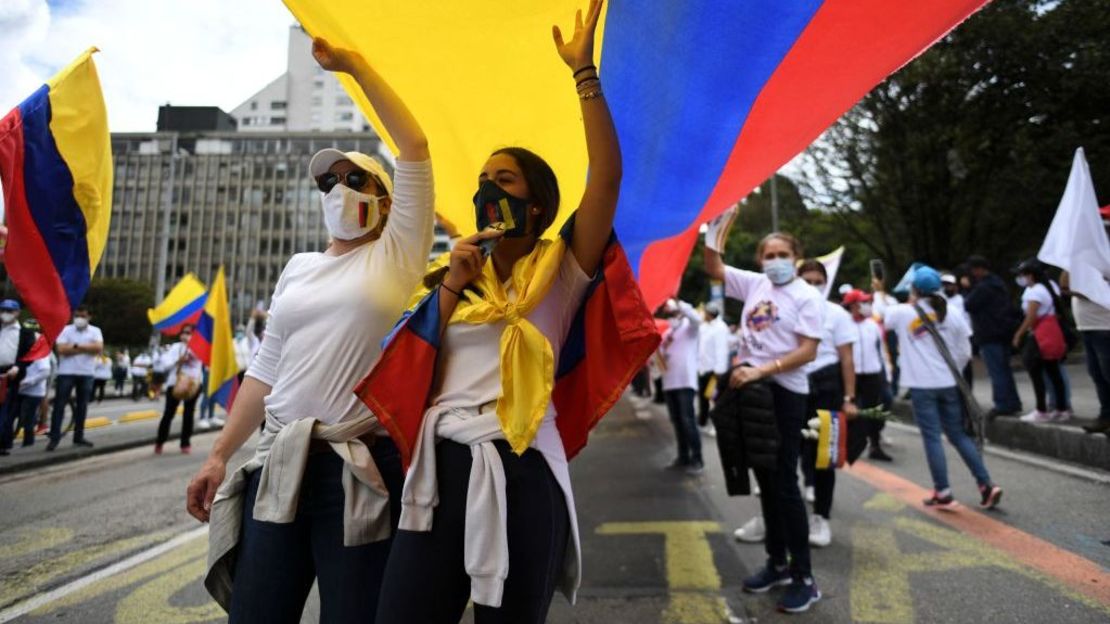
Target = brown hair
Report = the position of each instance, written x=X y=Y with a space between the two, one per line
x=811 y=265
x=543 y=186
x=795 y=245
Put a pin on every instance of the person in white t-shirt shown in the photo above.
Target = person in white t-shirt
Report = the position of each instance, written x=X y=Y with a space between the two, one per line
x=679 y=350
x=324 y=504
x=77 y=347
x=780 y=329
x=140 y=371
x=184 y=372
x=32 y=391
x=1041 y=357
x=934 y=393
x=713 y=360
x=832 y=386
x=869 y=358
x=1093 y=322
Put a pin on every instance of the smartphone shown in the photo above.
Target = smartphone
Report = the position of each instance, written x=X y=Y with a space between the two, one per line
x=877 y=271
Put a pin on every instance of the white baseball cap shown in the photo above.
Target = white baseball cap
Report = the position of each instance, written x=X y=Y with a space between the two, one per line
x=325 y=158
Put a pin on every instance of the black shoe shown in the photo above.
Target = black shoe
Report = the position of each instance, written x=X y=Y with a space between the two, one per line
x=677 y=464
x=989 y=496
x=878 y=454
x=995 y=412
x=940 y=502
x=1100 y=426
x=26 y=444
x=51 y=445
x=695 y=469
x=84 y=443
x=5 y=452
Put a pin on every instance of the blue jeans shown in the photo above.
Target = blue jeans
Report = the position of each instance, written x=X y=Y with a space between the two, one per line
x=680 y=406
x=276 y=563
x=940 y=408
x=1097 y=346
x=996 y=355
x=83 y=384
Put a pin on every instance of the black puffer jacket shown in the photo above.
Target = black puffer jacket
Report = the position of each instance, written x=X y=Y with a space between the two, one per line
x=747 y=433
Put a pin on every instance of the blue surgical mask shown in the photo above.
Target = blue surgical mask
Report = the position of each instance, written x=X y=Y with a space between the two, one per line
x=780 y=270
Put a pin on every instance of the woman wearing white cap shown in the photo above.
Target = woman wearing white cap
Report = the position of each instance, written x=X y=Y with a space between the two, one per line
x=319 y=499
x=933 y=388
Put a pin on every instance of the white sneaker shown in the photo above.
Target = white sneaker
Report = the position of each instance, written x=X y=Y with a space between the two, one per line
x=811 y=494
x=217 y=421
x=752 y=532
x=709 y=430
x=204 y=424
x=1061 y=415
x=820 y=535
x=1037 y=416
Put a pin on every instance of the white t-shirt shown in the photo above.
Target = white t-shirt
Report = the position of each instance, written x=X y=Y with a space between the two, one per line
x=679 y=350
x=772 y=320
x=921 y=364
x=1040 y=294
x=83 y=363
x=103 y=368
x=1090 y=316
x=837 y=330
x=140 y=365
x=9 y=343
x=34 y=381
x=713 y=340
x=329 y=314
x=867 y=351
x=192 y=366
x=468 y=371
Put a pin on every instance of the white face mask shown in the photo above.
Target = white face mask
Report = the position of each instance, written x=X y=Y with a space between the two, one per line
x=349 y=214
x=865 y=310
x=1022 y=282
x=80 y=322
x=7 y=317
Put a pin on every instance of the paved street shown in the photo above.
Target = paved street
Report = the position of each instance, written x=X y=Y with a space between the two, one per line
x=106 y=539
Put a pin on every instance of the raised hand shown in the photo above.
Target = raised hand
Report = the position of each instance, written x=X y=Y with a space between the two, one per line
x=579 y=51
x=332 y=58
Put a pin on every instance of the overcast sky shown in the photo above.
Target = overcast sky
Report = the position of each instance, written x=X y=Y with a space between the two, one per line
x=185 y=52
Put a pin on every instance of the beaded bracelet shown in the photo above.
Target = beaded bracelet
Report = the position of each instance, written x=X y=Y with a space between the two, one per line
x=582 y=69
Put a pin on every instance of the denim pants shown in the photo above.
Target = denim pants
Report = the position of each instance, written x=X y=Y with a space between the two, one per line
x=66 y=385
x=937 y=409
x=996 y=356
x=277 y=563
x=784 y=512
x=680 y=406
x=1097 y=346
x=426 y=579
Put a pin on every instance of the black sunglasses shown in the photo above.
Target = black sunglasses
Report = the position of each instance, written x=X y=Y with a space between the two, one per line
x=354 y=180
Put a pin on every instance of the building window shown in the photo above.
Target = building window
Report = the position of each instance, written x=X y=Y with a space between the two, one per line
x=348 y=116
x=277 y=105
x=277 y=121
x=254 y=105
x=317 y=100
x=342 y=101
x=318 y=84
x=246 y=121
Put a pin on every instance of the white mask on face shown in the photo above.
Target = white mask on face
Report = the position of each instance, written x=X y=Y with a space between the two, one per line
x=865 y=310
x=349 y=214
x=1022 y=282
x=80 y=322
x=7 y=317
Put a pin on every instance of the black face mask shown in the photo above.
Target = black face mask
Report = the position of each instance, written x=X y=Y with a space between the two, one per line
x=492 y=205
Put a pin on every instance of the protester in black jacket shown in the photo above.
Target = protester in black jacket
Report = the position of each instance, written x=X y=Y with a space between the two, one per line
x=993 y=319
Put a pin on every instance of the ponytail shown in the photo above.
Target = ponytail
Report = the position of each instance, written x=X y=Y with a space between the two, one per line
x=939 y=305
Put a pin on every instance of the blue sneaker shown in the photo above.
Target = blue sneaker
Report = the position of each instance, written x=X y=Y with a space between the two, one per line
x=770 y=576
x=801 y=593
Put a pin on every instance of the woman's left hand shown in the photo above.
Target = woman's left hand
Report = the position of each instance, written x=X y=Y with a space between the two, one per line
x=579 y=51
x=743 y=376
x=850 y=410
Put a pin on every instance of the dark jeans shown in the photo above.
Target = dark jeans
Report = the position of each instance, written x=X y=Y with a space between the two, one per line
x=66 y=385
x=28 y=417
x=784 y=512
x=426 y=580
x=703 y=401
x=9 y=412
x=826 y=392
x=680 y=406
x=99 y=386
x=996 y=356
x=277 y=563
x=138 y=387
x=870 y=392
x=1097 y=346
x=1038 y=367
x=187 y=419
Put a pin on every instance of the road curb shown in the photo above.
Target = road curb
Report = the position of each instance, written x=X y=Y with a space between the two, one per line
x=54 y=458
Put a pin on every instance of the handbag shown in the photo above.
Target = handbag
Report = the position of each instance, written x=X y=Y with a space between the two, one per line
x=1049 y=336
x=973 y=412
x=186 y=387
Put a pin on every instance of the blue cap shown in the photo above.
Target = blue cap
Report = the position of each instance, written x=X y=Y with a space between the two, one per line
x=926 y=280
x=10 y=304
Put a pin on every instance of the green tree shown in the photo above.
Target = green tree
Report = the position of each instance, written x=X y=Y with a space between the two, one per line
x=119 y=309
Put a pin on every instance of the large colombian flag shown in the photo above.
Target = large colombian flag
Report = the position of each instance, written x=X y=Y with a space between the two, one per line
x=212 y=343
x=182 y=306
x=709 y=96
x=56 y=167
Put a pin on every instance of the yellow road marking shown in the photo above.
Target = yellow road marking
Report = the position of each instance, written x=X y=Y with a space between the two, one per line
x=692 y=577
x=884 y=502
x=34 y=540
x=39 y=575
x=142 y=415
x=151 y=601
x=98 y=421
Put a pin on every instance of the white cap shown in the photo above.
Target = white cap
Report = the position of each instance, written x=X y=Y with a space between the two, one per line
x=948 y=278
x=325 y=158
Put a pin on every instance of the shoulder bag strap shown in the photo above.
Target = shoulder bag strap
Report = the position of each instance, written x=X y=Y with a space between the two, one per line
x=973 y=408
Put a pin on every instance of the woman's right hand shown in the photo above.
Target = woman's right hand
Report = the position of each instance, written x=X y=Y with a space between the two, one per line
x=202 y=489
x=467 y=260
x=334 y=59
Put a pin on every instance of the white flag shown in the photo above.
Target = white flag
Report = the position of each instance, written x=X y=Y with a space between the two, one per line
x=832 y=267
x=1076 y=240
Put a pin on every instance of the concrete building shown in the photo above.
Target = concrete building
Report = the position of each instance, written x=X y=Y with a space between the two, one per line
x=304 y=98
x=239 y=199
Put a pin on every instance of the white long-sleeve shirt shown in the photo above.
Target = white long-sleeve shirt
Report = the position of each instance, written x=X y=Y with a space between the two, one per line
x=680 y=350
x=34 y=381
x=713 y=338
x=329 y=314
x=172 y=363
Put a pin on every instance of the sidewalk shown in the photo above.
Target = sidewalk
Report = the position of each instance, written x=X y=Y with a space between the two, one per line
x=114 y=425
x=1064 y=441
